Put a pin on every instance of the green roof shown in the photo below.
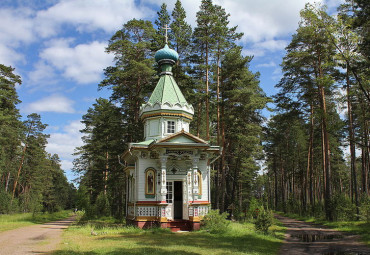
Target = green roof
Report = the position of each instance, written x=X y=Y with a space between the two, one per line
x=166 y=53
x=147 y=142
x=167 y=91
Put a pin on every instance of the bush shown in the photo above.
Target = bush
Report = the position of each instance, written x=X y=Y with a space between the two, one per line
x=343 y=209
x=214 y=222
x=365 y=210
x=6 y=204
x=102 y=206
x=264 y=220
x=253 y=208
x=293 y=205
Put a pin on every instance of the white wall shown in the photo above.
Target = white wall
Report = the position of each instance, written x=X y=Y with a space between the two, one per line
x=144 y=164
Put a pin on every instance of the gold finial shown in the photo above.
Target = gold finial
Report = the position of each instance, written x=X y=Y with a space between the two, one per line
x=166 y=27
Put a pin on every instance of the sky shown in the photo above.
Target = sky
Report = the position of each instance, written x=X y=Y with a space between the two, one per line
x=58 y=49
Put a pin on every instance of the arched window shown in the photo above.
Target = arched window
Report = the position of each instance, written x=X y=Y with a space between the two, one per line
x=199 y=176
x=150 y=182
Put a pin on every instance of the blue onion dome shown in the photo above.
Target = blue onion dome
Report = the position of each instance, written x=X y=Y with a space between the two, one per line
x=166 y=54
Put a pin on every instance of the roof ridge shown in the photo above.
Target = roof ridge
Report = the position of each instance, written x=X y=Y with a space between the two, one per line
x=174 y=83
x=164 y=84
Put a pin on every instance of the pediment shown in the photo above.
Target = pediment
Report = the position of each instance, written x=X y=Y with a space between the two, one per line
x=183 y=137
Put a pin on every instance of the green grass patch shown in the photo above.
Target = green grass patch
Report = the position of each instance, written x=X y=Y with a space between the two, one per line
x=361 y=228
x=240 y=238
x=12 y=221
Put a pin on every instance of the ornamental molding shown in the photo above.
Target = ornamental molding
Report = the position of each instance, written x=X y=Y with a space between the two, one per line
x=166 y=106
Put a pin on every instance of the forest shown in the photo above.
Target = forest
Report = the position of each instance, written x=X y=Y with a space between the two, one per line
x=31 y=180
x=314 y=143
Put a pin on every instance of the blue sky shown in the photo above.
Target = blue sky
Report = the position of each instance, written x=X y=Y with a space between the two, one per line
x=58 y=48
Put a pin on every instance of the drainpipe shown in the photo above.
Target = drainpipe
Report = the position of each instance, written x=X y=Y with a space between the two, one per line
x=209 y=177
x=123 y=165
x=135 y=190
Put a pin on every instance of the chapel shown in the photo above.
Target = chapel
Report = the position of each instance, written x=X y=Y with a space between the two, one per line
x=168 y=174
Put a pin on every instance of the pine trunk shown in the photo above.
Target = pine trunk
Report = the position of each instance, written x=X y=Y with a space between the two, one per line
x=19 y=170
x=207 y=96
x=351 y=143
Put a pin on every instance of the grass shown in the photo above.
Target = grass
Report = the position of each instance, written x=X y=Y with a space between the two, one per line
x=239 y=239
x=361 y=228
x=12 y=221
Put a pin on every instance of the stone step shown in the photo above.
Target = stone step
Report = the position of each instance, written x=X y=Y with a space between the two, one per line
x=179 y=226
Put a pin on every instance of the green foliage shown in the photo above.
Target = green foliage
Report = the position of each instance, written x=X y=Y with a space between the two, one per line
x=163 y=20
x=82 y=198
x=294 y=205
x=110 y=125
x=31 y=180
x=102 y=207
x=253 y=208
x=103 y=135
x=343 y=208
x=317 y=210
x=6 y=204
x=365 y=210
x=215 y=222
x=264 y=220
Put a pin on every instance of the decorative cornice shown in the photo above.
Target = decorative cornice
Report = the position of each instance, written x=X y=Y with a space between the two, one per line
x=166 y=72
x=148 y=115
x=160 y=104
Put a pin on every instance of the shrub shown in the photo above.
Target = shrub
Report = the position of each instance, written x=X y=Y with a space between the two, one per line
x=264 y=220
x=214 y=222
x=365 y=210
x=102 y=205
x=343 y=208
x=6 y=204
x=293 y=205
x=253 y=208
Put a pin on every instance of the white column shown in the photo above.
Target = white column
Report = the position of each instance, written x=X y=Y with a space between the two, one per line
x=190 y=184
x=163 y=177
x=195 y=178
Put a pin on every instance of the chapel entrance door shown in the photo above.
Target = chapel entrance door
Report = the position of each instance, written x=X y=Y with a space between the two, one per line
x=178 y=200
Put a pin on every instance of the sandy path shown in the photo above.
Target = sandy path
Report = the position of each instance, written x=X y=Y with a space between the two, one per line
x=36 y=239
x=307 y=238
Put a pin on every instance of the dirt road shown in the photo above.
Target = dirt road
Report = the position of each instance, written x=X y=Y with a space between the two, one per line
x=307 y=238
x=36 y=239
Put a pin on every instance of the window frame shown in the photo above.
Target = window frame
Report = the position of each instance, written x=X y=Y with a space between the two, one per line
x=150 y=170
x=171 y=127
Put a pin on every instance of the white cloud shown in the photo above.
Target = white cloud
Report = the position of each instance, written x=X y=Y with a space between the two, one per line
x=53 y=103
x=16 y=26
x=66 y=164
x=9 y=56
x=264 y=19
x=15 y=30
x=250 y=51
x=64 y=143
x=259 y=49
x=89 y=15
x=273 y=45
x=269 y=64
x=277 y=74
x=42 y=75
x=261 y=21
x=83 y=63
x=22 y=25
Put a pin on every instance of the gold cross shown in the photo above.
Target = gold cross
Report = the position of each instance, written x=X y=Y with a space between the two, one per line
x=166 y=27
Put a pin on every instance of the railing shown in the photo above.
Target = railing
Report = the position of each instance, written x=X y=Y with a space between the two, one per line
x=146 y=211
x=155 y=211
